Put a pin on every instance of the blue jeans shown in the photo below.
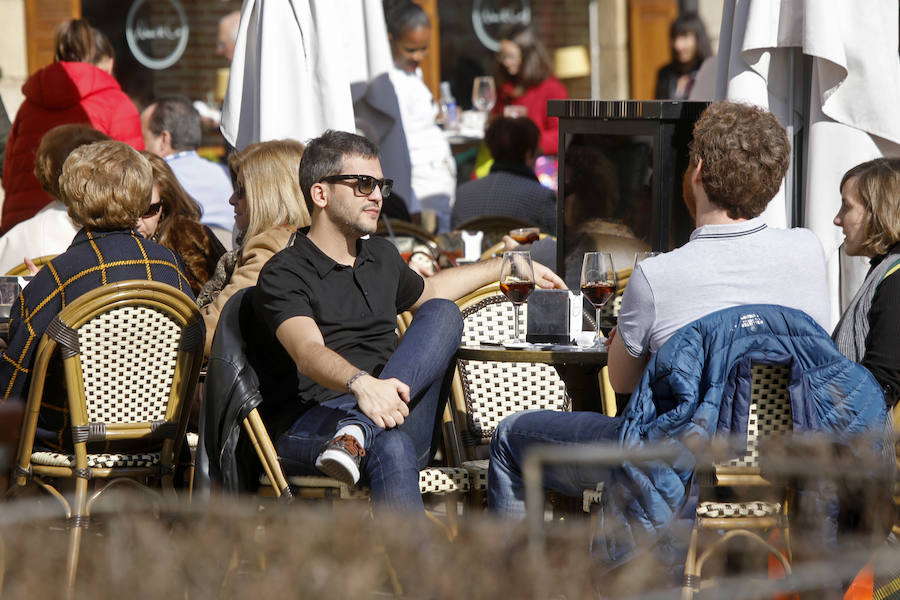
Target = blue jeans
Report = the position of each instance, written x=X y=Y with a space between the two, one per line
x=519 y=432
x=394 y=456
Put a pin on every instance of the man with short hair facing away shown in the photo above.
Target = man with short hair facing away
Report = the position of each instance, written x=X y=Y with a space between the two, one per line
x=171 y=128
x=106 y=187
x=738 y=158
x=341 y=395
x=511 y=188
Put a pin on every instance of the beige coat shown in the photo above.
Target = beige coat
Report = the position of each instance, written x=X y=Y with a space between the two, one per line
x=256 y=252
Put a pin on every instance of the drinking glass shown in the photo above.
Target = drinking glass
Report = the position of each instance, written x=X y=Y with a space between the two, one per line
x=641 y=256
x=484 y=94
x=598 y=283
x=517 y=281
x=525 y=235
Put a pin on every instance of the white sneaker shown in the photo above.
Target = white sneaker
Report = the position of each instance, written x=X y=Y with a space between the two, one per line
x=340 y=459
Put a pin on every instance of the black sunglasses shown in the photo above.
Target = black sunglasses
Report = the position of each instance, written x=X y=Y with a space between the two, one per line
x=365 y=184
x=152 y=210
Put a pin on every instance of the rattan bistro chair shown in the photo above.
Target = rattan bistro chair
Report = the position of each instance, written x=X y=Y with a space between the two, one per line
x=485 y=392
x=768 y=504
x=131 y=354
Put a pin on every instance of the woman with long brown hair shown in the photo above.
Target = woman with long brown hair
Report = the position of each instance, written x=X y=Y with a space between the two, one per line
x=690 y=46
x=525 y=78
x=173 y=221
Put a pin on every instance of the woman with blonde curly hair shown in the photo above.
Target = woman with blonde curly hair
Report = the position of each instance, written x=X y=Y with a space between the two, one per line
x=173 y=221
x=268 y=209
x=869 y=329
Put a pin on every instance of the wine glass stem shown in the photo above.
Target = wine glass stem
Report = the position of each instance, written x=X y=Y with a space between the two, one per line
x=597 y=322
x=516 y=309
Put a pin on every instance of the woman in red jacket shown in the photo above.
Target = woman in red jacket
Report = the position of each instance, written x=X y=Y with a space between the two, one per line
x=525 y=78
x=77 y=88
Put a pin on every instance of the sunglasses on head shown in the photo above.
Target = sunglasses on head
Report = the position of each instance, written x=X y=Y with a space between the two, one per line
x=152 y=210
x=365 y=184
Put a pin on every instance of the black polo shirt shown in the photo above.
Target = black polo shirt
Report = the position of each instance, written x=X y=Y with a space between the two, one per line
x=355 y=307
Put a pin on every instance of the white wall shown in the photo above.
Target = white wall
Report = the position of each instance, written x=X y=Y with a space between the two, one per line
x=711 y=13
x=13 y=60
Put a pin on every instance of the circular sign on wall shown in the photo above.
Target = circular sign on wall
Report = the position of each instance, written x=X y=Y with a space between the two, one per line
x=156 y=32
x=489 y=17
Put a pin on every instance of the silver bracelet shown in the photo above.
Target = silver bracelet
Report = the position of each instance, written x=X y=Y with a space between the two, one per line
x=356 y=376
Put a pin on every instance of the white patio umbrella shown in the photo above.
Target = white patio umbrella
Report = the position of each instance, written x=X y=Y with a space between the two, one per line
x=831 y=69
x=293 y=64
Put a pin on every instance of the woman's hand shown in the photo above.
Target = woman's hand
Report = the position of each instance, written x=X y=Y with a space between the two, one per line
x=32 y=268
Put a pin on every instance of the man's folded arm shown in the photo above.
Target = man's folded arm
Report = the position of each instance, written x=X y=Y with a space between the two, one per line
x=302 y=339
x=382 y=400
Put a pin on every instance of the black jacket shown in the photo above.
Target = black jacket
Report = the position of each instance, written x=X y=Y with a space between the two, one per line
x=231 y=391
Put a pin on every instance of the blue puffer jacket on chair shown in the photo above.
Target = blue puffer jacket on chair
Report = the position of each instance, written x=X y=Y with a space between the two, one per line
x=698 y=384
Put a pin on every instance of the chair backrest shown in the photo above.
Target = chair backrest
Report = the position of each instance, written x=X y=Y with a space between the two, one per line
x=22 y=268
x=770 y=411
x=489 y=391
x=131 y=352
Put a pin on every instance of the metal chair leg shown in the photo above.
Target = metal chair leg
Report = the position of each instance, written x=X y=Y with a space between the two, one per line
x=77 y=523
x=691 y=579
x=451 y=504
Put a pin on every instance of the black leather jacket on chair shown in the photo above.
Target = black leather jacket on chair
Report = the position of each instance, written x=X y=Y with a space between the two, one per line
x=231 y=391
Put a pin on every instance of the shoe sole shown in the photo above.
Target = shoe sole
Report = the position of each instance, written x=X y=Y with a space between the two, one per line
x=335 y=470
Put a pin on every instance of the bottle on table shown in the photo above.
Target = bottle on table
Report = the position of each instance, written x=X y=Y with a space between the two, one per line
x=449 y=108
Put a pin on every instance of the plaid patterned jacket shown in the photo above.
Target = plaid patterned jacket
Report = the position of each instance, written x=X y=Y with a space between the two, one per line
x=95 y=258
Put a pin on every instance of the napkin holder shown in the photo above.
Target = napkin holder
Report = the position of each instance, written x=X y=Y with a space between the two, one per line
x=553 y=317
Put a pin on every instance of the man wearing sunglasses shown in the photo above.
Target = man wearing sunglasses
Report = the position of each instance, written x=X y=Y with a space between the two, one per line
x=341 y=395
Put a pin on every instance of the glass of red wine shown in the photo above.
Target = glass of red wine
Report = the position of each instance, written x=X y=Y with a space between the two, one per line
x=598 y=283
x=517 y=281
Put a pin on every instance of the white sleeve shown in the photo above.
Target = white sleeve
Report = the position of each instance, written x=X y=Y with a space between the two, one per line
x=637 y=314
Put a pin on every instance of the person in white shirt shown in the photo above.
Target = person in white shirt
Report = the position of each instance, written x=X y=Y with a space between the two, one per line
x=433 y=165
